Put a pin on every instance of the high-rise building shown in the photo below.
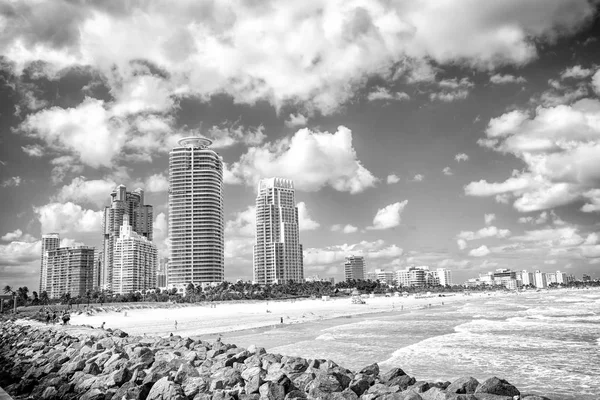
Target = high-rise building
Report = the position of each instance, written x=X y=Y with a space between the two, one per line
x=540 y=280
x=381 y=275
x=50 y=241
x=69 y=270
x=134 y=262
x=123 y=203
x=403 y=277
x=161 y=275
x=527 y=278
x=444 y=276
x=277 y=251
x=97 y=271
x=196 y=219
x=354 y=268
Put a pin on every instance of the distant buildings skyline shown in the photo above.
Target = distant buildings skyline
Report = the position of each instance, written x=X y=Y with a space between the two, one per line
x=68 y=270
x=354 y=268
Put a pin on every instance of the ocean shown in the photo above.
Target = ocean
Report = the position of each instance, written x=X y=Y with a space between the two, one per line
x=542 y=342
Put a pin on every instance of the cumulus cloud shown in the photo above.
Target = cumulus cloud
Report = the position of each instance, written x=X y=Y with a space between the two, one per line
x=296 y=120
x=499 y=79
x=160 y=234
x=226 y=136
x=311 y=159
x=418 y=178
x=156 y=183
x=452 y=89
x=596 y=82
x=389 y=216
x=487 y=232
x=377 y=250
x=481 y=251
x=17 y=234
x=461 y=157
x=344 y=228
x=576 y=72
x=489 y=218
x=243 y=224
x=305 y=221
x=461 y=243
x=381 y=93
x=82 y=191
x=33 y=150
x=392 y=178
x=560 y=148
x=447 y=171
x=11 y=182
x=68 y=217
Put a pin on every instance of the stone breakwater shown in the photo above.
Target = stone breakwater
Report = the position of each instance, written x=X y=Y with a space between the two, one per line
x=49 y=364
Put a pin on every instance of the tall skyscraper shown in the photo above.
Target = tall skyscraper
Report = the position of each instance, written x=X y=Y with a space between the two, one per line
x=354 y=268
x=196 y=218
x=69 y=270
x=445 y=276
x=134 y=261
x=123 y=203
x=50 y=241
x=277 y=250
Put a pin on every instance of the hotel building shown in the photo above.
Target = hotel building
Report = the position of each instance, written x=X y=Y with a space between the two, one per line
x=383 y=276
x=354 y=268
x=134 y=262
x=68 y=270
x=139 y=215
x=50 y=241
x=277 y=251
x=540 y=280
x=444 y=276
x=196 y=219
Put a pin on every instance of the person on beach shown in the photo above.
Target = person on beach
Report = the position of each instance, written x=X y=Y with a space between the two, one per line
x=47 y=317
x=54 y=317
x=102 y=326
x=175 y=324
x=282 y=320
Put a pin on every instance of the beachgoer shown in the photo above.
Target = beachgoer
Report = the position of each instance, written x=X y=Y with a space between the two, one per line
x=64 y=318
x=47 y=318
x=171 y=334
x=54 y=317
x=282 y=320
x=102 y=327
x=175 y=324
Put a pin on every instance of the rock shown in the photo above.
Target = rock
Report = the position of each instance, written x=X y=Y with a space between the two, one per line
x=488 y=396
x=194 y=385
x=463 y=385
x=295 y=395
x=403 y=381
x=533 y=397
x=433 y=394
x=372 y=370
x=185 y=371
x=50 y=393
x=271 y=391
x=92 y=369
x=346 y=394
x=361 y=384
x=164 y=389
x=71 y=368
x=497 y=386
x=325 y=383
x=93 y=394
x=117 y=378
x=391 y=374
x=119 y=333
x=419 y=387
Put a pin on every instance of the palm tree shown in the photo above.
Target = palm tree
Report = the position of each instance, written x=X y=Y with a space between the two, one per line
x=7 y=289
x=44 y=297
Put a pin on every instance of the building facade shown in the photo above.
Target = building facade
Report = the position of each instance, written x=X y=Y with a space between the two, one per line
x=444 y=276
x=278 y=254
x=381 y=275
x=139 y=215
x=134 y=262
x=69 y=270
x=354 y=268
x=196 y=218
x=540 y=280
x=50 y=241
x=161 y=274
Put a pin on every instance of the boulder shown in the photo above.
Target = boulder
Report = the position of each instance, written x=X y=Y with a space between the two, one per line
x=463 y=385
x=391 y=374
x=93 y=394
x=271 y=391
x=497 y=386
x=372 y=370
x=403 y=381
x=50 y=393
x=164 y=389
x=433 y=394
x=325 y=383
x=191 y=386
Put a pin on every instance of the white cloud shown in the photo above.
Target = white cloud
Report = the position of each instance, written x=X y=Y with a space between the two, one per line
x=244 y=223
x=489 y=218
x=461 y=243
x=461 y=157
x=381 y=93
x=68 y=217
x=311 y=159
x=16 y=235
x=33 y=150
x=393 y=178
x=487 y=232
x=305 y=221
x=296 y=120
x=452 y=89
x=481 y=251
x=226 y=136
x=560 y=148
x=500 y=79
x=11 y=182
x=377 y=250
x=160 y=234
x=80 y=190
x=156 y=183
x=596 y=82
x=418 y=178
x=447 y=171
x=344 y=228
x=576 y=72
x=389 y=216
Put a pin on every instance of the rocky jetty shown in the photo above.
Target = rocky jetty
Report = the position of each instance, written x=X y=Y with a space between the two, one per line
x=49 y=364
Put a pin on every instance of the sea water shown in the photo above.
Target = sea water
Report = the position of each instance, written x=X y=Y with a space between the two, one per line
x=542 y=342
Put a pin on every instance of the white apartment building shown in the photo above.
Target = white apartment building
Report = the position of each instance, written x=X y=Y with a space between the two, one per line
x=50 y=241
x=527 y=278
x=444 y=276
x=403 y=277
x=419 y=276
x=68 y=270
x=540 y=280
x=562 y=278
x=383 y=276
x=278 y=254
x=140 y=218
x=354 y=268
x=196 y=219
x=134 y=262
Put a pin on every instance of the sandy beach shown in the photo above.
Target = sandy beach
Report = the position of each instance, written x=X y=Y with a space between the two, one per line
x=236 y=316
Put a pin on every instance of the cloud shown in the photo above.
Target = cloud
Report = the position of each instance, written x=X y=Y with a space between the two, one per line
x=316 y=53
x=381 y=93
x=447 y=171
x=389 y=216
x=160 y=234
x=418 y=178
x=596 y=82
x=18 y=235
x=461 y=157
x=227 y=136
x=499 y=79
x=296 y=120
x=489 y=218
x=481 y=251
x=391 y=179
x=487 y=232
x=377 y=250
x=452 y=89
x=68 y=217
x=244 y=223
x=344 y=228
x=576 y=72
x=559 y=146
x=311 y=159
x=156 y=183
x=11 y=182
x=82 y=191
x=33 y=150
x=305 y=222
x=461 y=243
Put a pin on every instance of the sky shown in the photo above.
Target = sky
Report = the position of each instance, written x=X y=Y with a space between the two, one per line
x=421 y=132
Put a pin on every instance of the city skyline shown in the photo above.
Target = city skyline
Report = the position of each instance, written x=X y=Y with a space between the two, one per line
x=469 y=143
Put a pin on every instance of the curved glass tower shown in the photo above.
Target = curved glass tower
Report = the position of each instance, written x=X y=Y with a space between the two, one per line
x=196 y=219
